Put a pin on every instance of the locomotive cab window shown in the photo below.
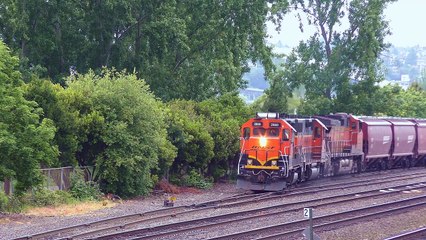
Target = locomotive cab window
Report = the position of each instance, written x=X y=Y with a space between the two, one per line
x=286 y=135
x=273 y=132
x=246 y=133
x=259 y=132
x=317 y=132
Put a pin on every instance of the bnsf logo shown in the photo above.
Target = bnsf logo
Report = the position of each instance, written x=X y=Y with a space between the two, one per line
x=266 y=147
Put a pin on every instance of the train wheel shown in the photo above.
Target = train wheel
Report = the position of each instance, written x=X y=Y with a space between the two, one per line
x=405 y=163
x=383 y=165
x=292 y=178
x=336 y=167
x=321 y=170
x=358 y=166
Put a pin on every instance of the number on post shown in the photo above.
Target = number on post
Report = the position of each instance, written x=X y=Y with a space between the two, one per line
x=307 y=212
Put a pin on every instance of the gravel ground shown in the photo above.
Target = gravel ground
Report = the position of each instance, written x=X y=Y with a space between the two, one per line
x=297 y=215
x=18 y=225
x=380 y=228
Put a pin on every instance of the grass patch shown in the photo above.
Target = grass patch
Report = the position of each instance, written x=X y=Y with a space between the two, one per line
x=82 y=193
x=78 y=208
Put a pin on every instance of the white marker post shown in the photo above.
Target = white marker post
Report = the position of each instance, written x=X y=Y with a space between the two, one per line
x=308 y=214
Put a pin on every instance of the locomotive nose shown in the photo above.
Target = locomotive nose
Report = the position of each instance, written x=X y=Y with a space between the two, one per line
x=263 y=141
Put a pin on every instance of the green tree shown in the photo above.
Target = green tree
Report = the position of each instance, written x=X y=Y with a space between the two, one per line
x=25 y=138
x=188 y=132
x=223 y=117
x=414 y=104
x=339 y=69
x=121 y=129
x=49 y=97
x=184 y=49
x=392 y=100
x=278 y=94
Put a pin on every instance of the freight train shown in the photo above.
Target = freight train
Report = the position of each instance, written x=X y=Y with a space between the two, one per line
x=279 y=150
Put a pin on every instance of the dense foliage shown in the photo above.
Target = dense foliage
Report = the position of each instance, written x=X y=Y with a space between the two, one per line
x=392 y=100
x=25 y=137
x=338 y=68
x=113 y=122
x=68 y=100
x=184 y=49
x=206 y=135
x=121 y=129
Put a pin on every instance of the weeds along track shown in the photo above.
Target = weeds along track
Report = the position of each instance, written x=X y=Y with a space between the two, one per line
x=125 y=222
x=197 y=227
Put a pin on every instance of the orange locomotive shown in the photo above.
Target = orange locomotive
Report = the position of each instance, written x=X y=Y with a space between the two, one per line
x=280 y=150
x=277 y=151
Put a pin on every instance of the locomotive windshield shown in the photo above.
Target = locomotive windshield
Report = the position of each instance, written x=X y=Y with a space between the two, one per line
x=273 y=132
x=261 y=132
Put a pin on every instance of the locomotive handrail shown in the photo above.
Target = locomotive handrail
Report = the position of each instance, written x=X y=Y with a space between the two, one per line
x=241 y=156
x=337 y=147
x=285 y=148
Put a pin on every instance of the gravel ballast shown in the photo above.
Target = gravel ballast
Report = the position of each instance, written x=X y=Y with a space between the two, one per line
x=19 y=225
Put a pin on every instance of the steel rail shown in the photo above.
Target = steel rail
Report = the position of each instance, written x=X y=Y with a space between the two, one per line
x=123 y=226
x=376 y=176
x=213 y=204
x=166 y=211
x=301 y=224
x=210 y=221
x=419 y=233
x=354 y=184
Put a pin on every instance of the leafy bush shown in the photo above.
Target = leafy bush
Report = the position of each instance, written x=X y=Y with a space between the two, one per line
x=82 y=190
x=4 y=200
x=14 y=204
x=43 y=197
x=26 y=138
x=195 y=179
x=121 y=131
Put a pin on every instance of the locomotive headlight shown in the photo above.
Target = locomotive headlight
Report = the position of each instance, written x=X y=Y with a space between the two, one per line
x=262 y=141
x=249 y=161
x=274 y=163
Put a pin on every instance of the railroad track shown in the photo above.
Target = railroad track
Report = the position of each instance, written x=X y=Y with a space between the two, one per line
x=128 y=221
x=336 y=186
x=325 y=222
x=365 y=176
x=364 y=179
x=197 y=226
x=147 y=216
x=414 y=234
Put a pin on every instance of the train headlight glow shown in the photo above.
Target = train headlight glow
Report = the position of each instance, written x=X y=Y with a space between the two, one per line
x=249 y=161
x=262 y=141
x=274 y=163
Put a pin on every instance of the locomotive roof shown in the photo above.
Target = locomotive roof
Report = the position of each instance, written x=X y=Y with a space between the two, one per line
x=306 y=119
x=265 y=118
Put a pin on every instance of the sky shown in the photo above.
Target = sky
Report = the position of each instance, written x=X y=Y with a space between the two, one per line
x=407 y=19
